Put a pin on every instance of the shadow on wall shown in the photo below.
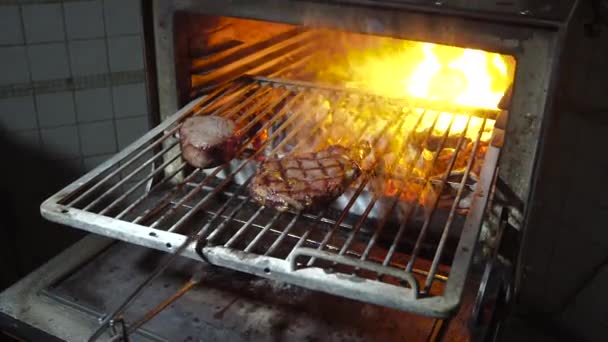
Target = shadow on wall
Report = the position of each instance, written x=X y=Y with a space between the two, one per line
x=28 y=177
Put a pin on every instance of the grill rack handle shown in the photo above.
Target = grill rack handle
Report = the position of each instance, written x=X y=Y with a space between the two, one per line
x=362 y=264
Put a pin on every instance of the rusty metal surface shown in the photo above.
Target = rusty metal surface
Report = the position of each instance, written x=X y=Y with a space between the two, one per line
x=233 y=306
x=518 y=11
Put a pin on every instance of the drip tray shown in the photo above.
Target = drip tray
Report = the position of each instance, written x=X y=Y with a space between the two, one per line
x=229 y=305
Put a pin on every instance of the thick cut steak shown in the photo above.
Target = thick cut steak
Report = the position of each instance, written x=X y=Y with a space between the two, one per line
x=208 y=141
x=304 y=180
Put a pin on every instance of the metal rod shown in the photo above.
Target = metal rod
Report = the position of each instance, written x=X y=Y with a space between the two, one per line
x=280 y=238
x=241 y=230
x=228 y=109
x=226 y=205
x=221 y=107
x=266 y=67
x=203 y=63
x=121 y=167
x=163 y=202
x=218 y=230
x=207 y=104
x=205 y=199
x=358 y=226
x=262 y=108
x=397 y=238
x=253 y=50
x=407 y=103
x=152 y=190
x=160 y=169
x=410 y=208
x=295 y=65
x=292 y=133
x=249 y=63
x=196 y=279
x=303 y=238
x=448 y=224
x=352 y=200
x=139 y=289
x=258 y=237
x=372 y=203
x=396 y=200
x=429 y=217
x=130 y=175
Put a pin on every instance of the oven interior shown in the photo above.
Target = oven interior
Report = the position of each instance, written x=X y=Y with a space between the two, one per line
x=423 y=121
x=419 y=116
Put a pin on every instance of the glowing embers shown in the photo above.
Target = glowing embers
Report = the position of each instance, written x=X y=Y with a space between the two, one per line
x=403 y=151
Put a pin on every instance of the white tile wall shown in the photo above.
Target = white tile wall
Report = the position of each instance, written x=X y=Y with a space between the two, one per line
x=129 y=100
x=84 y=19
x=88 y=57
x=93 y=104
x=52 y=43
x=129 y=129
x=98 y=138
x=18 y=113
x=43 y=23
x=61 y=142
x=10 y=26
x=122 y=17
x=48 y=61
x=30 y=139
x=125 y=53
x=13 y=60
x=56 y=109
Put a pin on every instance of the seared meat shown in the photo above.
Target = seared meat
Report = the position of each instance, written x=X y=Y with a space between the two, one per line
x=208 y=141
x=304 y=180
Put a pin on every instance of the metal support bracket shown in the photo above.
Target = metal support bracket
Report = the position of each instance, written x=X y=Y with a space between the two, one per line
x=367 y=265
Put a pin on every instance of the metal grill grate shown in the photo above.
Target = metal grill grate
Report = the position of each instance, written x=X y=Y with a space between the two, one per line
x=408 y=253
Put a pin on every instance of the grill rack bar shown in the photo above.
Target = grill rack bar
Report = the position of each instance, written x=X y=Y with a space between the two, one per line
x=263 y=243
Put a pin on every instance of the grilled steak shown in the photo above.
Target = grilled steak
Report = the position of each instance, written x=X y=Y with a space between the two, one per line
x=304 y=180
x=208 y=141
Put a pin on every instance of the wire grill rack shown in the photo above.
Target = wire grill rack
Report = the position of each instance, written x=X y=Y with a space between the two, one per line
x=377 y=249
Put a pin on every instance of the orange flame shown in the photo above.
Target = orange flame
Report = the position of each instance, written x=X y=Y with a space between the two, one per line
x=407 y=69
x=397 y=129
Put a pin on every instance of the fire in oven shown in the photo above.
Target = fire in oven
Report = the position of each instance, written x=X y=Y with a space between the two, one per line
x=353 y=164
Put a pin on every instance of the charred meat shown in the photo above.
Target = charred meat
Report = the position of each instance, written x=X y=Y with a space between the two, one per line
x=208 y=141
x=304 y=180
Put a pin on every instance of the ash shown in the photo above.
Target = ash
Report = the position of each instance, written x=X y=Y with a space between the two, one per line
x=278 y=289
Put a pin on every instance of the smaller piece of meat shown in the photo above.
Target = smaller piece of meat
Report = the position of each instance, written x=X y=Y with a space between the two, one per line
x=304 y=180
x=208 y=141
